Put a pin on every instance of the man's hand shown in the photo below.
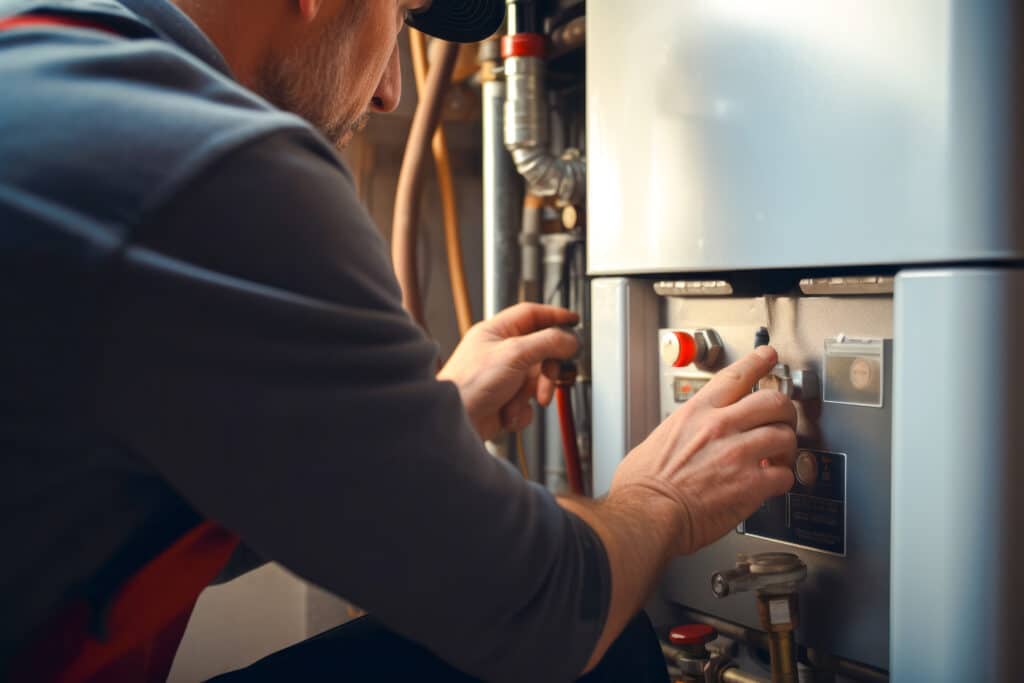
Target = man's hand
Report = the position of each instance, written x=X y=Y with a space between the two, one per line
x=720 y=455
x=497 y=367
x=702 y=471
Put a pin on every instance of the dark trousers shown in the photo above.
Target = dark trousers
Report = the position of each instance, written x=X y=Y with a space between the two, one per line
x=364 y=650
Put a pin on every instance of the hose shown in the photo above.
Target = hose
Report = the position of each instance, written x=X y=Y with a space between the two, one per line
x=449 y=206
x=573 y=471
x=410 y=179
x=570 y=36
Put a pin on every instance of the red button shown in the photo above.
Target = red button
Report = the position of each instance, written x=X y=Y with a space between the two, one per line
x=678 y=349
x=692 y=634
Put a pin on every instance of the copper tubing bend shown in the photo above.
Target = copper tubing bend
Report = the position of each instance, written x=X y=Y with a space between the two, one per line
x=446 y=186
x=410 y=178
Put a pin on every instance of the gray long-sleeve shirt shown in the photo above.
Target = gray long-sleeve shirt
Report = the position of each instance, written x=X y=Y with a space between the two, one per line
x=201 y=322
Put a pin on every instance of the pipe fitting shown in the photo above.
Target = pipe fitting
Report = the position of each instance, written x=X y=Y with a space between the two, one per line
x=526 y=135
x=770 y=573
x=774 y=578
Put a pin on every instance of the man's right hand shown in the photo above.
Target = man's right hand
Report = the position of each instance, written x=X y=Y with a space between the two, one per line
x=719 y=456
x=699 y=474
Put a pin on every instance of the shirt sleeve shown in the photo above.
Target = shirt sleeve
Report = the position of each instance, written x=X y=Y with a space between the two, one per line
x=257 y=356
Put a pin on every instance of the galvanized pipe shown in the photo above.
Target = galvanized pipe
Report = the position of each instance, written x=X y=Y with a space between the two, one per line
x=554 y=457
x=529 y=243
x=500 y=202
x=500 y=220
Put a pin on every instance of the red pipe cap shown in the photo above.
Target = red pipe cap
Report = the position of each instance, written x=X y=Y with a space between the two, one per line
x=692 y=634
x=523 y=45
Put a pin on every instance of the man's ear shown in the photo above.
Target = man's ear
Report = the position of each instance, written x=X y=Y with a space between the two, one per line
x=309 y=8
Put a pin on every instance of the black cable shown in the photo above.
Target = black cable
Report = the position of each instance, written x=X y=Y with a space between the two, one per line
x=562 y=288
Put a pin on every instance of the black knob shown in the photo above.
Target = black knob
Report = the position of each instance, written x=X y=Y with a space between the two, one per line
x=762 y=338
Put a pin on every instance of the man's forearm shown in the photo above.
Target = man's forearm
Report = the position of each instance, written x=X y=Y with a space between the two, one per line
x=638 y=529
x=698 y=474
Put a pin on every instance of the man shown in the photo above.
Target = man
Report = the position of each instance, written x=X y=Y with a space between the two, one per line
x=201 y=326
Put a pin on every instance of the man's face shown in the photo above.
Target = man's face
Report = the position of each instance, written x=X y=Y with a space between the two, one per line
x=344 y=67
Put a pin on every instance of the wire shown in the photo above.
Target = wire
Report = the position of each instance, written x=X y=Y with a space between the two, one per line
x=572 y=450
x=521 y=453
x=410 y=180
x=561 y=290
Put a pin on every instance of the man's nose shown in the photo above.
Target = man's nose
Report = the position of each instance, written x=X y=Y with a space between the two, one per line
x=389 y=90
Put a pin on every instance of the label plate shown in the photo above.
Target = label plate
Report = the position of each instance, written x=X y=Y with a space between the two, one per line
x=811 y=515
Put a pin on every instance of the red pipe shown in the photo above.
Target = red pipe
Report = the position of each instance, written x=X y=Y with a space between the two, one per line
x=572 y=451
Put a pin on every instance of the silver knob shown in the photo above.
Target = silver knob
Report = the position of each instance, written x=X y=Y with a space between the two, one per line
x=799 y=385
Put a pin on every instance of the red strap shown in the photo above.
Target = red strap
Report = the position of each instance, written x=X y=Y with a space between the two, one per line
x=144 y=624
x=36 y=20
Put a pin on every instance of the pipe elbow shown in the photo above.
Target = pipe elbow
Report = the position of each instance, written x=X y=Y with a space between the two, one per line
x=550 y=176
x=526 y=135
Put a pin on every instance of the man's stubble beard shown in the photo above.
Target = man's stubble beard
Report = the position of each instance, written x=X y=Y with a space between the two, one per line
x=309 y=83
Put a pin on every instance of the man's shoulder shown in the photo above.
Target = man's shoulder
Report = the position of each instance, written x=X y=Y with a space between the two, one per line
x=116 y=125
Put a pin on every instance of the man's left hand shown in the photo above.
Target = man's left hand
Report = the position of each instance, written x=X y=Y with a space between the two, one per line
x=498 y=365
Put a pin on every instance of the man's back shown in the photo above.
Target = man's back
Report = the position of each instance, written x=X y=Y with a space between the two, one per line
x=202 y=324
x=100 y=128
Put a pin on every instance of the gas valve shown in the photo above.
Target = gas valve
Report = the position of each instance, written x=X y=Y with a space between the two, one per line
x=698 y=661
x=774 y=578
x=692 y=656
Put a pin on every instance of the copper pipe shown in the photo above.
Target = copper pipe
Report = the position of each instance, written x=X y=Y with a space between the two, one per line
x=781 y=645
x=410 y=178
x=782 y=651
x=735 y=675
x=446 y=186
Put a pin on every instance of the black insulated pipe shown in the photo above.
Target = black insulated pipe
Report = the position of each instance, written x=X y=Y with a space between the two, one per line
x=522 y=17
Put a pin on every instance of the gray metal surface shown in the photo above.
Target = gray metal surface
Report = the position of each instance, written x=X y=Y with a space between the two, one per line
x=845 y=600
x=728 y=135
x=624 y=365
x=958 y=477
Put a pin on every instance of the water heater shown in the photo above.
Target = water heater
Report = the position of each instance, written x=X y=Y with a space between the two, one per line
x=844 y=175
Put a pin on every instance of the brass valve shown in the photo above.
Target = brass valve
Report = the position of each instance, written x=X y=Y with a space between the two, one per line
x=774 y=578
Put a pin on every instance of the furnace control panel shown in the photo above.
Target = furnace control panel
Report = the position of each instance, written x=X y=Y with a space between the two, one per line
x=813 y=514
